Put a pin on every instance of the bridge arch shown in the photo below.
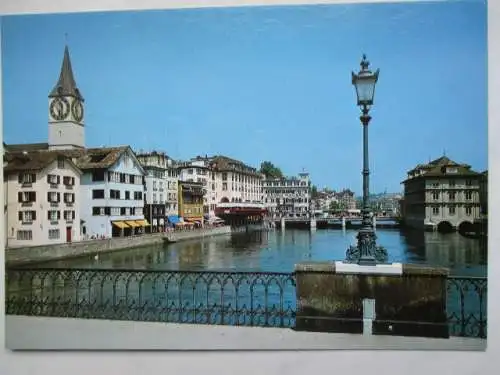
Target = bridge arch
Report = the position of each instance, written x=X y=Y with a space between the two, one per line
x=224 y=200
x=466 y=227
x=445 y=227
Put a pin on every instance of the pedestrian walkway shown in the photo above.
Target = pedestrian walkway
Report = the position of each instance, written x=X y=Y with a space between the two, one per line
x=62 y=333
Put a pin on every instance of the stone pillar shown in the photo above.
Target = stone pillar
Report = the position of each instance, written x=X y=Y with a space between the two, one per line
x=390 y=299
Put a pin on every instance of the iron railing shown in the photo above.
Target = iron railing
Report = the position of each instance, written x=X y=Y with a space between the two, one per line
x=198 y=297
x=466 y=306
x=228 y=298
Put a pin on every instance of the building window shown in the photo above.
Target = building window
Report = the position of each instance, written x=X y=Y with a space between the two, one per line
x=115 y=211
x=435 y=196
x=451 y=195
x=468 y=211
x=98 y=175
x=53 y=215
x=190 y=171
x=27 y=178
x=98 y=211
x=54 y=234
x=114 y=194
x=52 y=179
x=435 y=210
x=60 y=163
x=451 y=210
x=468 y=195
x=468 y=182
x=26 y=197
x=53 y=197
x=122 y=178
x=24 y=235
x=138 y=195
x=122 y=211
x=69 y=198
x=69 y=181
x=98 y=194
x=127 y=195
x=27 y=216
x=69 y=215
x=132 y=179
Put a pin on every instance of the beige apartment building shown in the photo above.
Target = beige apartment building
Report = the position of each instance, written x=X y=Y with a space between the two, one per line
x=41 y=198
x=224 y=180
x=442 y=195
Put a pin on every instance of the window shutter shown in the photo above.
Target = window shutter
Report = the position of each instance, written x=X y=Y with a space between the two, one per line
x=19 y=196
x=58 y=215
x=20 y=215
x=34 y=215
x=73 y=215
x=33 y=177
x=58 y=179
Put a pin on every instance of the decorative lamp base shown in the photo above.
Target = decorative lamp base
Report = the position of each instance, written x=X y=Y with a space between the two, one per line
x=366 y=252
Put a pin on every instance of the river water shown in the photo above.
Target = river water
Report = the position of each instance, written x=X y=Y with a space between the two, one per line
x=277 y=251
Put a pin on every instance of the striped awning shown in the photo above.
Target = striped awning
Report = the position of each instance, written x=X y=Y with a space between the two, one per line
x=143 y=223
x=120 y=224
x=133 y=224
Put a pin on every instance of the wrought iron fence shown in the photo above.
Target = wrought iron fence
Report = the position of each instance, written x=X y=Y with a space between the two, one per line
x=230 y=298
x=198 y=297
x=466 y=306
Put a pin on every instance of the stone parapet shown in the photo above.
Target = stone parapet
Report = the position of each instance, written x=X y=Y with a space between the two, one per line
x=408 y=300
x=35 y=254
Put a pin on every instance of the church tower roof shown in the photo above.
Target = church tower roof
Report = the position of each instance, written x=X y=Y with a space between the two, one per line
x=66 y=85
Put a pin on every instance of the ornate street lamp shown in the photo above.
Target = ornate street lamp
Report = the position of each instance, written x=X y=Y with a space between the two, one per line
x=366 y=252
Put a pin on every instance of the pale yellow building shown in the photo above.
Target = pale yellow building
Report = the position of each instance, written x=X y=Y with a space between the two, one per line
x=441 y=194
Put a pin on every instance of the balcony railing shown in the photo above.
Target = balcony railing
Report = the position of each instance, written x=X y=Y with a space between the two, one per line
x=199 y=297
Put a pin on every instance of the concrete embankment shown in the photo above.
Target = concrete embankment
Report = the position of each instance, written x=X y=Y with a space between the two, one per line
x=36 y=254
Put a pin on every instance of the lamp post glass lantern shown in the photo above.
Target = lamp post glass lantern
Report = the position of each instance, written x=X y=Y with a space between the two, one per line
x=366 y=252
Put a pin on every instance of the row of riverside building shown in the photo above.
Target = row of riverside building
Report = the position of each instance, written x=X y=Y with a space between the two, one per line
x=61 y=191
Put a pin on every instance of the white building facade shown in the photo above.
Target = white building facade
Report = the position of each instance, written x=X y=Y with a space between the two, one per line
x=160 y=181
x=41 y=199
x=288 y=197
x=112 y=193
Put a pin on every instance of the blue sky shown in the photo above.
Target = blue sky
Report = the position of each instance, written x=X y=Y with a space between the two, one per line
x=264 y=83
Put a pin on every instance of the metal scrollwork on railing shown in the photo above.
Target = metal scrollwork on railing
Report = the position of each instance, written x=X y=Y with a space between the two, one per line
x=229 y=298
x=197 y=297
x=466 y=305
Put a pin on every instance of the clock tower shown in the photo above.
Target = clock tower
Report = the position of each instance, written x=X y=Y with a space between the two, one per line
x=66 y=115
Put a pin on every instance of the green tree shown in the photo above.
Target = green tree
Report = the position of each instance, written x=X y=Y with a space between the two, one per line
x=334 y=206
x=314 y=192
x=270 y=170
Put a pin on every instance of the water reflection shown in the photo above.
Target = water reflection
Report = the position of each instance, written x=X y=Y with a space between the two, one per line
x=280 y=251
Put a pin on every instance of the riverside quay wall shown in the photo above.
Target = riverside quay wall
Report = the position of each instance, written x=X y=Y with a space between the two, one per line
x=34 y=254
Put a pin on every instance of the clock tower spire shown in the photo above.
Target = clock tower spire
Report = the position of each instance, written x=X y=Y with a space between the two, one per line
x=66 y=115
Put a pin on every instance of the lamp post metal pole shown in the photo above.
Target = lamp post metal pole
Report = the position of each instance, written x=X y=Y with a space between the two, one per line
x=366 y=251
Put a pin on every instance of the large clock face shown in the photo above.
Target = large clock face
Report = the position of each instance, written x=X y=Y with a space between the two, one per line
x=59 y=109
x=77 y=110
